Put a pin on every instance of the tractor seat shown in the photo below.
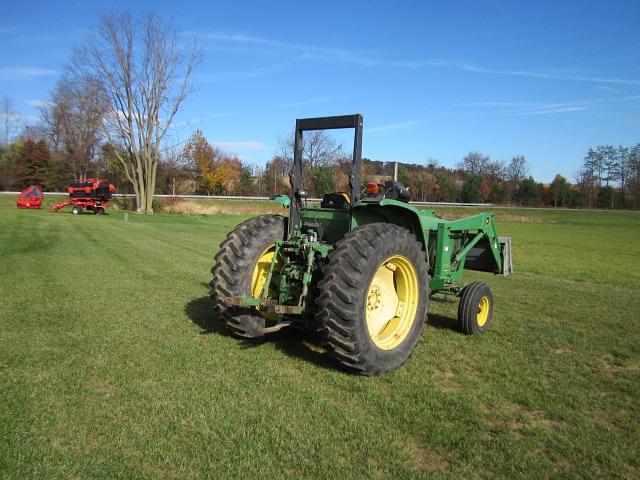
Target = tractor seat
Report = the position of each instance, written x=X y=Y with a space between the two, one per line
x=338 y=200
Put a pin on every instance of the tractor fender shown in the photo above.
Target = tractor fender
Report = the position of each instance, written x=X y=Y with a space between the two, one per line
x=393 y=211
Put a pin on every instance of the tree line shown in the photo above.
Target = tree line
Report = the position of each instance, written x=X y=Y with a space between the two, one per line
x=609 y=177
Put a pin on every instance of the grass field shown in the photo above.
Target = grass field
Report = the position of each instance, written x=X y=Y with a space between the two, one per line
x=111 y=365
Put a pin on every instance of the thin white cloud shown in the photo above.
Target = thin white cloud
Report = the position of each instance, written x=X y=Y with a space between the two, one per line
x=373 y=59
x=545 y=75
x=239 y=75
x=526 y=108
x=548 y=111
x=243 y=145
x=391 y=126
x=20 y=73
x=497 y=104
x=607 y=88
x=306 y=51
x=541 y=108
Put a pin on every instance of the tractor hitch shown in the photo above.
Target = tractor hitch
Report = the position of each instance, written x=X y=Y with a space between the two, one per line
x=268 y=305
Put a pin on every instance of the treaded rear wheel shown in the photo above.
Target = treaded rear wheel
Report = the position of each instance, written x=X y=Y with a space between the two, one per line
x=241 y=267
x=373 y=298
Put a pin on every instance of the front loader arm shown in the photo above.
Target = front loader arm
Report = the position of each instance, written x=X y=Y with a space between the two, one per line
x=470 y=243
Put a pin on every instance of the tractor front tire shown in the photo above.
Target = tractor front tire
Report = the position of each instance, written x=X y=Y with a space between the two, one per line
x=373 y=298
x=475 y=310
x=241 y=266
x=76 y=210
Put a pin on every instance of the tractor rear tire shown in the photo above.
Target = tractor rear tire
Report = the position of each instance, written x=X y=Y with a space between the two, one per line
x=240 y=266
x=475 y=310
x=373 y=298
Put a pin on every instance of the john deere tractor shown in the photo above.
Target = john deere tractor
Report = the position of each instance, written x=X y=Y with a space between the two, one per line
x=358 y=269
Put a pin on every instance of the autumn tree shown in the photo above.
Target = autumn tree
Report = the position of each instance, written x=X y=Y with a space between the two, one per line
x=146 y=75
x=31 y=164
x=217 y=171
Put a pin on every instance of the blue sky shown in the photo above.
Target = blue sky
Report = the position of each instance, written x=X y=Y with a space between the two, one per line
x=433 y=79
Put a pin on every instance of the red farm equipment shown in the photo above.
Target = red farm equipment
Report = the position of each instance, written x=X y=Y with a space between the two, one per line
x=30 y=197
x=90 y=194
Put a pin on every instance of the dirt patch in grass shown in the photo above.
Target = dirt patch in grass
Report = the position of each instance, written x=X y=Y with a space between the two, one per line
x=535 y=418
x=563 y=350
x=184 y=207
x=451 y=380
x=500 y=217
x=612 y=366
x=429 y=460
x=518 y=219
x=616 y=419
x=518 y=418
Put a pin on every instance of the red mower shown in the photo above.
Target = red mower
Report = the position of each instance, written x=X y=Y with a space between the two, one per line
x=91 y=194
x=30 y=197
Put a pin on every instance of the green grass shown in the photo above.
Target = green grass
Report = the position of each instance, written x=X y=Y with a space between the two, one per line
x=110 y=364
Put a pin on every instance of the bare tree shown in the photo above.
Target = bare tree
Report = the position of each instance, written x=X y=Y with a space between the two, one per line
x=515 y=173
x=474 y=163
x=318 y=149
x=74 y=119
x=146 y=76
x=10 y=120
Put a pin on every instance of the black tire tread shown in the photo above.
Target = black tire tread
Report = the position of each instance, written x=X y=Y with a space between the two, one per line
x=342 y=286
x=231 y=267
x=467 y=308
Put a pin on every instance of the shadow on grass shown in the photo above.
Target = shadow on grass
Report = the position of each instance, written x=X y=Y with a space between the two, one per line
x=200 y=311
x=289 y=341
x=445 y=323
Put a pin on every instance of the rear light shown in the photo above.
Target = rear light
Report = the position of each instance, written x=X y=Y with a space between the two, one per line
x=372 y=188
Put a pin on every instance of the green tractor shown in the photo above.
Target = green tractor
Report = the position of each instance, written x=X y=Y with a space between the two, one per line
x=357 y=270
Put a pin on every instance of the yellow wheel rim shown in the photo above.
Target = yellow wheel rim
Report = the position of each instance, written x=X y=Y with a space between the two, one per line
x=483 y=311
x=392 y=302
x=260 y=274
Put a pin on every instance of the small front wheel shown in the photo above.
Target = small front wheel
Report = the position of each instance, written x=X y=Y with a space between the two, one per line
x=475 y=310
x=76 y=210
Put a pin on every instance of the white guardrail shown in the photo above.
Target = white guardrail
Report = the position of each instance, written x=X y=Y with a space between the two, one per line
x=240 y=197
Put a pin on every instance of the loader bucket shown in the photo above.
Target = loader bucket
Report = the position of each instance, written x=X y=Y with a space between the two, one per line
x=505 y=250
x=481 y=259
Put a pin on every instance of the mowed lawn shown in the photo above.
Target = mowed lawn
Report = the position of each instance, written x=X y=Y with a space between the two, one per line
x=111 y=365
